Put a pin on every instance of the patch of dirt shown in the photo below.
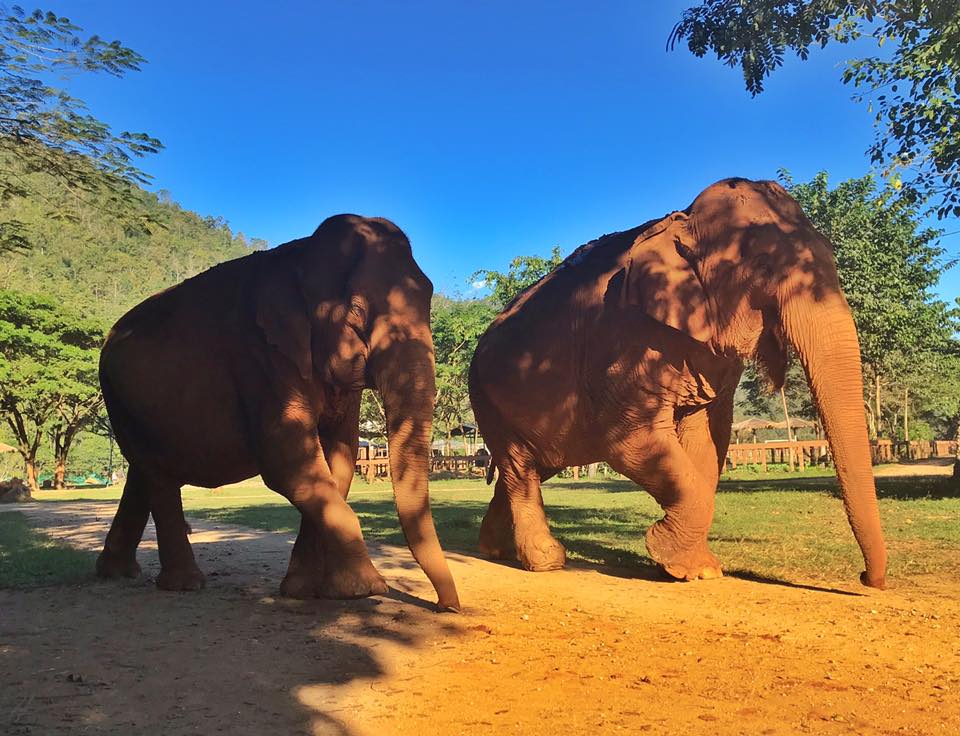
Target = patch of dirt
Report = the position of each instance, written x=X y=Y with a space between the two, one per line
x=570 y=652
x=908 y=468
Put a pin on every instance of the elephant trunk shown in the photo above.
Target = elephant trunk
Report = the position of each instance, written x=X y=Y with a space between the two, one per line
x=405 y=380
x=821 y=329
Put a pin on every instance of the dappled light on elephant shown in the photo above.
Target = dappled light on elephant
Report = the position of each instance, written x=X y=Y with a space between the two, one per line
x=256 y=367
x=646 y=333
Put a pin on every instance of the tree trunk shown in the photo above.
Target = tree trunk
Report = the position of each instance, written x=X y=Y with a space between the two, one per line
x=906 y=414
x=592 y=470
x=876 y=400
x=30 y=470
x=956 y=458
x=62 y=443
x=786 y=419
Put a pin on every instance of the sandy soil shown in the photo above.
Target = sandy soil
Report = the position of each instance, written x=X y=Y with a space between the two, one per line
x=929 y=466
x=577 y=651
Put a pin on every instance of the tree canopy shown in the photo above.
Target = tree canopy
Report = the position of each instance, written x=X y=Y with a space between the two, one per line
x=457 y=326
x=95 y=263
x=913 y=89
x=888 y=263
x=524 y=271
x=45 y=129
x=48 y=372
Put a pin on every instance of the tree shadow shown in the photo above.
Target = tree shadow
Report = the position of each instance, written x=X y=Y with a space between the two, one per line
x=122 y=655
x=901 y=488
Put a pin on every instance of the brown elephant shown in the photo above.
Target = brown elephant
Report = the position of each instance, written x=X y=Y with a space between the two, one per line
x=256 y=367
x=630 y=352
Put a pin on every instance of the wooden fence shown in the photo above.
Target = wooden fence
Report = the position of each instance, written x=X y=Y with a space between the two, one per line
x=798 y=454
x=379 y=467
x=460 y=464
x=802 y=453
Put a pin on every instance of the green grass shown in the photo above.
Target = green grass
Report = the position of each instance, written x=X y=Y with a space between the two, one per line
x=777 y=525
x=29 y=558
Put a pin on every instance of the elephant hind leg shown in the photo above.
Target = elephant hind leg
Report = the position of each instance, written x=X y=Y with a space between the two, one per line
x=119 y=556
x=178 y=567
x=658 y=462
x=515 y=526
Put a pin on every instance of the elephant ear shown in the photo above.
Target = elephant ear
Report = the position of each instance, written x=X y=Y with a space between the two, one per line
x=311 y=303
x=283 y=316
x=660 y=276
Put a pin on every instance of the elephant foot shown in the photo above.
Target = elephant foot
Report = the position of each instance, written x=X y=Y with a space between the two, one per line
x=496 y=538
x=301 y=584
x=695 y=563
x=111 y=566
x=354 y=579
x=541 y=552
x=183 y=578
x=534 y=546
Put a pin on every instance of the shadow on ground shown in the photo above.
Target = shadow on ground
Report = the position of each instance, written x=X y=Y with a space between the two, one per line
x=122 y=657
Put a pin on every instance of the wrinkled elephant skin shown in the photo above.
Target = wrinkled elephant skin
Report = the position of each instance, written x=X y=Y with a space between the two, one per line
x=630 y=353
x=256 y=367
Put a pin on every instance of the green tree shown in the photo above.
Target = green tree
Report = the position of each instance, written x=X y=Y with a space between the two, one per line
x=48 y=375
x=888 y=265
x=457 y=326
x=756 y=399
x=45 y=129
x=524 y=271
x=914 y=91
x=97 y=265
x=373 y=418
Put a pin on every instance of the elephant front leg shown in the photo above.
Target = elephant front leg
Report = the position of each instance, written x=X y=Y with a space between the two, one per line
x=515 y=526
x=330 y=558
x=304 y=578
x=294 y=465
x=656 y=460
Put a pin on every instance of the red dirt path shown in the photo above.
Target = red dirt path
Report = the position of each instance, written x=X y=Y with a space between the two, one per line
x=571 y=652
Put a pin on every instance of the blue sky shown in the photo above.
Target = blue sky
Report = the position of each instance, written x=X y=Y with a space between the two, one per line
x=485 y=130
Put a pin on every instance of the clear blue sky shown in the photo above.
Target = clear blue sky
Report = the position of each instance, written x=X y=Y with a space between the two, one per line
x=485 y=130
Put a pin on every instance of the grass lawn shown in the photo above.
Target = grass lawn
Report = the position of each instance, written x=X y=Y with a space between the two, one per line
x=777 y=525
x=29 y=558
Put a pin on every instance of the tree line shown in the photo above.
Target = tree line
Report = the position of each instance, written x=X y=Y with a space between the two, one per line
x=81 y=273
x=81 y=240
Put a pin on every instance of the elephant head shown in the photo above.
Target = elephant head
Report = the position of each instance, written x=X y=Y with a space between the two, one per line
x=362 y=320
x=745 y=271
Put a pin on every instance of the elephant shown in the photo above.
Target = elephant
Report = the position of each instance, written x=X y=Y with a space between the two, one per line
x=256 y=366
x=630 y=352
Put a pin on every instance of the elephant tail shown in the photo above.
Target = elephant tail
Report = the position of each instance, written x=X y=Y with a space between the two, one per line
x=490 y=470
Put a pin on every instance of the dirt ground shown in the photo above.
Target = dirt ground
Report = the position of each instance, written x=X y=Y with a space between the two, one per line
x=571 y=652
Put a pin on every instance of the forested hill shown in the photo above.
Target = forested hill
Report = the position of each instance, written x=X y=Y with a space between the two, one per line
x=100 y=265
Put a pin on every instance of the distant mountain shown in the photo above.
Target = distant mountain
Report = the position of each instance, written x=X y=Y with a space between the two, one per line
x=100 y=265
